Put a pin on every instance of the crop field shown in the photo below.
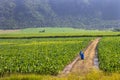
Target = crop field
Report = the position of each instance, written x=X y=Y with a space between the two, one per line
x=34 y=53
x=41 y=56
x=109 y=54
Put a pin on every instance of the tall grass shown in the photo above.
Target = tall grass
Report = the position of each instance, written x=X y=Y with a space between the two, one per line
x=92 y=75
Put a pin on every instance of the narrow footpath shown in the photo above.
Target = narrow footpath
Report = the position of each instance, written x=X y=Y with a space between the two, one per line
x=82 y=66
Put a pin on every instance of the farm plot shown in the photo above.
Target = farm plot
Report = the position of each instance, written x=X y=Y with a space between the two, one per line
x=41 y=56
x=109 y=54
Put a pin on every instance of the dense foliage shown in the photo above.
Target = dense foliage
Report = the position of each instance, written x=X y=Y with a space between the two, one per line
x=109 y=54
x=42 y=56
x=89 y=14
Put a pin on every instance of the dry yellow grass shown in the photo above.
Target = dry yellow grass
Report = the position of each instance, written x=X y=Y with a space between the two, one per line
x=92 y=75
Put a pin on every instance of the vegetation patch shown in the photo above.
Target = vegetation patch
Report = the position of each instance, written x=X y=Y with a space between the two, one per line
x=29 y=33
x=40 y=56
x=92 y=75
x=109 y=54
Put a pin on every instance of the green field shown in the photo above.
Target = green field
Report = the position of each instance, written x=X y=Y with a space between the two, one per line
x=57 y=32
x=109 y=54
x=41 y=56
x=29 y=52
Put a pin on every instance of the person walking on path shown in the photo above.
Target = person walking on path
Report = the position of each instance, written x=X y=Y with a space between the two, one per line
x=81 y=55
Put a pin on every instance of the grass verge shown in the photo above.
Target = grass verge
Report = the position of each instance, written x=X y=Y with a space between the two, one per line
x=92 y=75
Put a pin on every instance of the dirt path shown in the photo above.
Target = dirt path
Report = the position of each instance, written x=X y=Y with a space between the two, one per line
x=8 y=31
x=82 y=66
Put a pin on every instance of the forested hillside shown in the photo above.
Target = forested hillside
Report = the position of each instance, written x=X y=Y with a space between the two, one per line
x=88 y=14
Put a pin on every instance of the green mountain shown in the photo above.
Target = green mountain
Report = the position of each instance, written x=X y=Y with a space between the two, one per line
x=88 y=14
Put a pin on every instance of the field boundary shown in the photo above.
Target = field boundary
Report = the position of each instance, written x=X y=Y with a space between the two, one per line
x=70 y=36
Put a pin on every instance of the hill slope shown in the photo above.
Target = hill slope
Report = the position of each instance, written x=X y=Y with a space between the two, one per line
x=90 y=14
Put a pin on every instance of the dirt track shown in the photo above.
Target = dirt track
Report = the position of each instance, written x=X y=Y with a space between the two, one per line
x=82 y=66
x=8 y=31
